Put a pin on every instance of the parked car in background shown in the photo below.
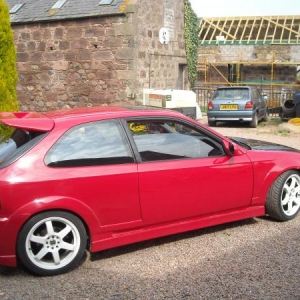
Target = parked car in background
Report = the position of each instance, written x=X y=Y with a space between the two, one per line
x=96 y=178
x=237 y=103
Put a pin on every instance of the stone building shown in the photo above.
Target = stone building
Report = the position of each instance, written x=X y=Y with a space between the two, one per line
x=73 y=53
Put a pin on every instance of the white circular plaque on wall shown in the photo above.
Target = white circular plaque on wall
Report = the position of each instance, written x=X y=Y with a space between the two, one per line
x=164 y=36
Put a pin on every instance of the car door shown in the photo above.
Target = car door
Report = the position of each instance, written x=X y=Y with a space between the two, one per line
x=93 y=163
x=185 y=173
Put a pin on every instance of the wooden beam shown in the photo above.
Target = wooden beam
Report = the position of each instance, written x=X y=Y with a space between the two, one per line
x=259 y=29
x=279 y=25
x=283 y=30
x=224 y=24
x=236 y=31
x=290 y=33
x=250 y=34
x=224 y=31
x=267 y=31
x=242 y=35
x=207 y=31
x=213 y=33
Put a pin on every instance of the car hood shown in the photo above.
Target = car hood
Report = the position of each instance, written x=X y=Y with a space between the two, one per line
x=252 y=144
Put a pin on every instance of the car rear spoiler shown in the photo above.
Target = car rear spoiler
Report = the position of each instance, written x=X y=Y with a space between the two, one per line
x=27 y=120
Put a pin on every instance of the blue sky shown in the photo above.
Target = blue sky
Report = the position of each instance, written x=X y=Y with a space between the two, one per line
x=237 y=8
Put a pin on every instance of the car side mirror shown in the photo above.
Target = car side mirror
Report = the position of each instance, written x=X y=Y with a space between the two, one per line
x=229 y=148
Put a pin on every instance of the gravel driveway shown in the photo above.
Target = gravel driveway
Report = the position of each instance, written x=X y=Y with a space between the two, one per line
x=251 y=259
x=282 y=133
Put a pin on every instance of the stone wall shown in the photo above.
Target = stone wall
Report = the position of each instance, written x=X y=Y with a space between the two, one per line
x=101 y=61
x=73 y=63
x=159 y=65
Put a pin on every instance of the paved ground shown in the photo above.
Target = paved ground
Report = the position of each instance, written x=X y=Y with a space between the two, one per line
x=252 y=259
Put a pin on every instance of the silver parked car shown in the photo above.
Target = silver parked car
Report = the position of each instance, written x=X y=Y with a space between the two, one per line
x=237 y=103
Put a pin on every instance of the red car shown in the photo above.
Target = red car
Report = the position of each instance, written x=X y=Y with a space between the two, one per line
x=93 y=179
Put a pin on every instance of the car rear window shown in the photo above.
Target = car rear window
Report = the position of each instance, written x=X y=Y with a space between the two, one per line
x=16 y=144
x=232 y=93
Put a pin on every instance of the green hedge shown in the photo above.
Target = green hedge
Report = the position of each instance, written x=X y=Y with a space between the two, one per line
x=191 y=32
x=8 y=69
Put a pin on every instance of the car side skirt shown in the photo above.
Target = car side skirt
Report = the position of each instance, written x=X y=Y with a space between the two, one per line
x=146 y=233
x=8 y=260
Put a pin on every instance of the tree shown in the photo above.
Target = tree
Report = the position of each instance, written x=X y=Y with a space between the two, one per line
x=191 y=31
x=8 y=69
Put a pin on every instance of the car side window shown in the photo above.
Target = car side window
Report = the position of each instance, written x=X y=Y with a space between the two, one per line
x=254 y=95
x=95 y=143
x=17 y=144
x=165 y=140
x=259 y=95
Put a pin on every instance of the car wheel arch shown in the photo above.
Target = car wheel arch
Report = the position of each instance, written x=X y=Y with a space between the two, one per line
x=80 y=210
x=281 y=203
x=52 y=242
x=86 y=225
x=263 y=189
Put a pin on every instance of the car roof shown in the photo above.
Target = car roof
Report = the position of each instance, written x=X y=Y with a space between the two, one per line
x=235 y=87
x=45 y=121
x=82 y=112
x=114 y=111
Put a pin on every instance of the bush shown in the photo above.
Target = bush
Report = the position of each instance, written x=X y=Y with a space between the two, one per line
x=191 y=31
x=8 y=69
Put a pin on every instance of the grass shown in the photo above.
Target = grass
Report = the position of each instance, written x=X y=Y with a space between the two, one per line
x=203 y=109
x=283 y=132
x=275 y=121
x=271 y=122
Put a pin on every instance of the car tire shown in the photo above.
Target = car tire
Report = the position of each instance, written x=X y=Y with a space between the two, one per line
x=254 y=122
x=51 y=243
x=283 y=200
x=212 y=123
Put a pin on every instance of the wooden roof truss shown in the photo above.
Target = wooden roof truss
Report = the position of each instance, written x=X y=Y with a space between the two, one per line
x=250 y=30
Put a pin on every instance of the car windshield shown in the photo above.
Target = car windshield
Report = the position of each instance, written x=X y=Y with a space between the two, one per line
x=240 y=143
x=16 y=144
x=232 y=93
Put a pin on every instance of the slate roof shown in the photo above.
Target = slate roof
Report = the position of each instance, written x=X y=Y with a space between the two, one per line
x=40 y=10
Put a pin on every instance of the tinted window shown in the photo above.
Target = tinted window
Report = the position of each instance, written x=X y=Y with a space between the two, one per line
x=96 y=143
x=163 y=140
x=17 y=144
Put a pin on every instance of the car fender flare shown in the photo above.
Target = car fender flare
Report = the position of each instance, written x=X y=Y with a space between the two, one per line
x=24 y=213
x=273 y=174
